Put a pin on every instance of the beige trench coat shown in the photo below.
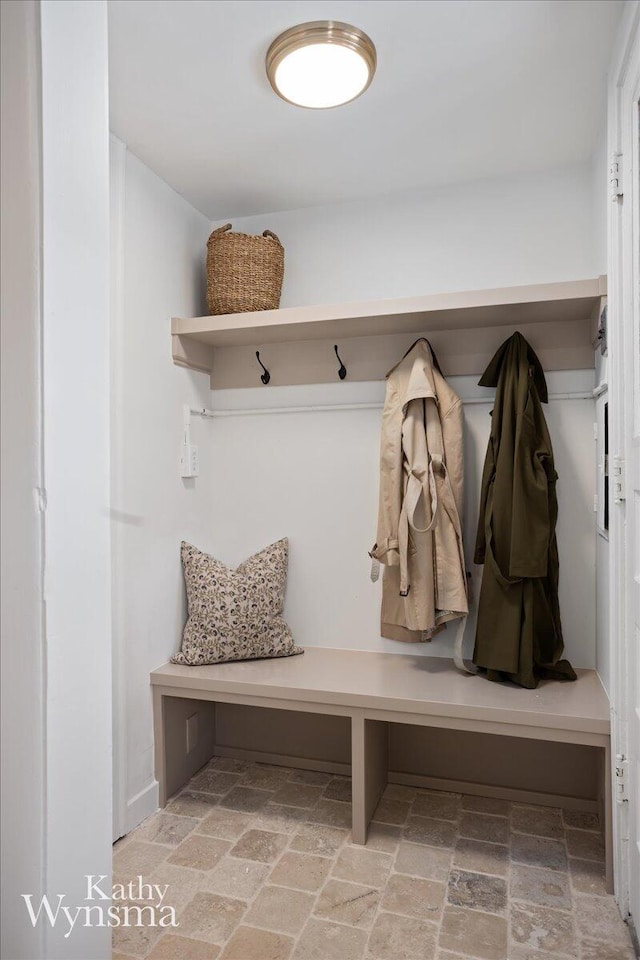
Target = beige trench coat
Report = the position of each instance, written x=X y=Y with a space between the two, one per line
x=421 y=493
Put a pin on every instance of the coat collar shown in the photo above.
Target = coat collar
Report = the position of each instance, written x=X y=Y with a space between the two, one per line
x=415 y=375
x=517 y=351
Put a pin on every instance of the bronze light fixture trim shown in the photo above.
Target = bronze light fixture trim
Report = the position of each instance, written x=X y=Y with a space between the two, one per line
x=321 y=64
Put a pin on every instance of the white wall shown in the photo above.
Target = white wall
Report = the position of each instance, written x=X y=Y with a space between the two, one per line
x=76 y=459
x=314 y=478
x=159 y=244
x=471 y=236
x=22 y=700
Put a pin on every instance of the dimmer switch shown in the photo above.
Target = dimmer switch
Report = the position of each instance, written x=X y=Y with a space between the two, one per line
x=189 y=461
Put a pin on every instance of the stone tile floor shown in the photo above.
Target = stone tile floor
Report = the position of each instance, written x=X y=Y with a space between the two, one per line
x=260 y=866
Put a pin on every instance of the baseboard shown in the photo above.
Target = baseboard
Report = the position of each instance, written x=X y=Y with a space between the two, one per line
x=634 y=936
x=143 y=805
x=282 y=760
x=514 y=794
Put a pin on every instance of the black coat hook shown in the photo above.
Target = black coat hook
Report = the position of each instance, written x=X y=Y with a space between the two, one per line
x=342 y=372
x=266 y=376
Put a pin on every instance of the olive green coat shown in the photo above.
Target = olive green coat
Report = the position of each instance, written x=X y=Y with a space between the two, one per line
x=519 y=635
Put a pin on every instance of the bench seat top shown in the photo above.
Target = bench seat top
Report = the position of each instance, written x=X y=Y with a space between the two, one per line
x=429 y=686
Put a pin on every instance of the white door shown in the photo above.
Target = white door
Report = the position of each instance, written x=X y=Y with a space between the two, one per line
x=625 y=467
x=632 y=494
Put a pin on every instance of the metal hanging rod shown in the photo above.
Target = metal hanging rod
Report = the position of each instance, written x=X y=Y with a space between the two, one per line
x=335 y=407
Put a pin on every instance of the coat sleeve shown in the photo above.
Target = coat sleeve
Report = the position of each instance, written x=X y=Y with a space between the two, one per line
x=533 y=471
x=487 y=475
x=386 y=548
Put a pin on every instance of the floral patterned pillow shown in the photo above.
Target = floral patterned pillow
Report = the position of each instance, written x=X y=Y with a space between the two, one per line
x=235 y=614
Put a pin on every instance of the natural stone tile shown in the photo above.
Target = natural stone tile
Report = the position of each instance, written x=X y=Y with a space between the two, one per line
x=542 y=928
x=315 y=777
x=214 y=781
x=246 y=799
x=260 y=845
x=190 y=804
x=581 y=820
x=446 y=955
x=437 y=833
x=481 y=857
x=172 y=947
x=473 y=933
x=438 y=806
x=199 y=852
x=265 y=777
x=414 y=897
x=538 y=852
x=498 y=808
x=597 y=950
x=402 y=938
x=587 y=876
x=338 y=789
x=240 y=879
x=519 y=952
x=548 y=888
x=280 y=909
x=248 y=943
x=323 y=940
x=398 y=791
x=421 y=861
x=331 y=812
x=229 y=764
x=598 y=918
x=166 y=828
x=223 y=823
x=477 y=891
x=300 y=870
x=280 y=819
x=292 y=794
x=314 y=838
x=134 y=935
x=392 y=811
x=362 y=866
x=211 y=917
x=137 y=858
x=182 y=884
x=585 y=845
x=383 y=837
x=480 y=826
x=349 y=903
x=537 y=821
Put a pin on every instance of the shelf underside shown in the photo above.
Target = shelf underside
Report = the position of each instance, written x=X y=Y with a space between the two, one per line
x=296 y=344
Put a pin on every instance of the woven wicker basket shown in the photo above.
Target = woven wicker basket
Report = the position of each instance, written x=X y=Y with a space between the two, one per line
x=244 y=272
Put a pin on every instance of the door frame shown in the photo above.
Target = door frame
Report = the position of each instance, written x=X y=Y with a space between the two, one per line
x=620 y=291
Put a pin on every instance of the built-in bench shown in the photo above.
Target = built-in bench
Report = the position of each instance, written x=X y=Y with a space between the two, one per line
x=373 y=693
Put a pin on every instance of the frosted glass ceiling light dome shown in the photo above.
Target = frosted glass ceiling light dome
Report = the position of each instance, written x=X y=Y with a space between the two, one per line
x=321 y=64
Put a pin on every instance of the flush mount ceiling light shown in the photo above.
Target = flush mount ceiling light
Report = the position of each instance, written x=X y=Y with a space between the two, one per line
x=321 y=64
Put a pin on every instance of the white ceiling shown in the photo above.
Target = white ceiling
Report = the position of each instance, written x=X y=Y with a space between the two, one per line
x=465 y=89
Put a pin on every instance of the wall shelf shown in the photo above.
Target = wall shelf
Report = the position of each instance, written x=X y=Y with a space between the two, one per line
x=296 y=343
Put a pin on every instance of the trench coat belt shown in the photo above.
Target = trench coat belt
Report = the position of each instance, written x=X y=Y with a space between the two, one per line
x=379 y=553
x=416 y=490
